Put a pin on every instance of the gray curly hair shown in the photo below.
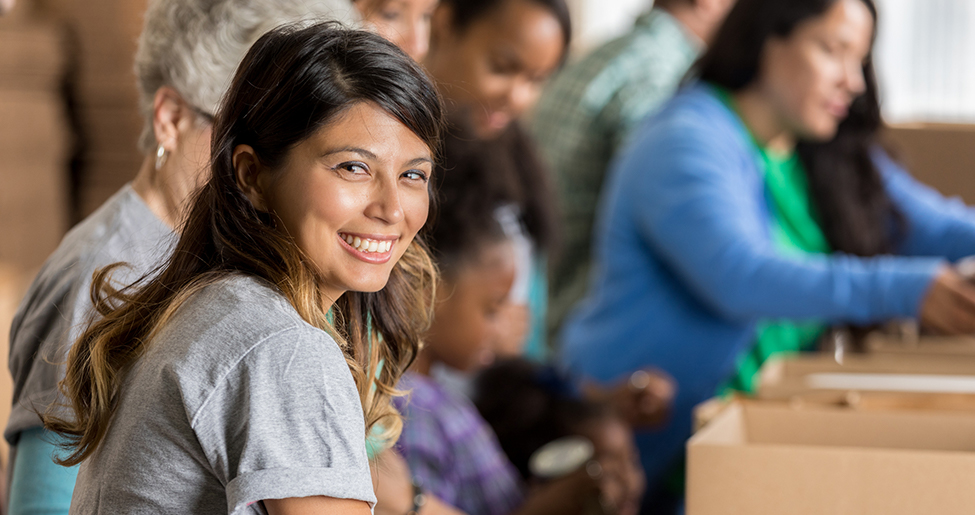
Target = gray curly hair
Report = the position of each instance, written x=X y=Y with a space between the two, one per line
x=194 y=46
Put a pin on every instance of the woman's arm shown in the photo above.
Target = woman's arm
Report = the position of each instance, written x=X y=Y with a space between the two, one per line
x=316 y=505
x=937 y=226
x=697 y=203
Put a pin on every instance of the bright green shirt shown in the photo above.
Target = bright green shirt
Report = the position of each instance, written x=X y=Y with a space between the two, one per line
x=795 y=229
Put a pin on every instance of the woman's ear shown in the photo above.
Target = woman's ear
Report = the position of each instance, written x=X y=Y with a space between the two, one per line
x=250 y=176
x=168 y=110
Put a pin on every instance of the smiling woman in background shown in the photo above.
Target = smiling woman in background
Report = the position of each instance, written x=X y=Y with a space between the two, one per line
x=757 y=209
x=490 y=59
x=322 y=156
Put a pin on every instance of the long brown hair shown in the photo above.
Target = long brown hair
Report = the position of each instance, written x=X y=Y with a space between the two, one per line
x=292 y=82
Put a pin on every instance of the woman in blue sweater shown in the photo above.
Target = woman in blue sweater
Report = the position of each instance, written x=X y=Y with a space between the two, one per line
x=756 y=209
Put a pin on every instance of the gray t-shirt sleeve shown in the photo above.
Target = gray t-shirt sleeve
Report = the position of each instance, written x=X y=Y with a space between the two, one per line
x=286 y=421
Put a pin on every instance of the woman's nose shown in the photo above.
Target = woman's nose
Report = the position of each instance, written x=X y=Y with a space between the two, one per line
x=417 y=42
x=385 y=204
x=855 y=81
x=522 y=94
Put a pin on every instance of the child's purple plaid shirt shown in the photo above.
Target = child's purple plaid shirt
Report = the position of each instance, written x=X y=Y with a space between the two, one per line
x=453 y=451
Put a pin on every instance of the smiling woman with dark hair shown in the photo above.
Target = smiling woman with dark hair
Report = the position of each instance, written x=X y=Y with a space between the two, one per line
x=322 y=155
x=756 y=210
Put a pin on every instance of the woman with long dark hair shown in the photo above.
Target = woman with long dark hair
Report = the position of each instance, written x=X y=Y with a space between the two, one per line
x=757 y=209
x=223 y=383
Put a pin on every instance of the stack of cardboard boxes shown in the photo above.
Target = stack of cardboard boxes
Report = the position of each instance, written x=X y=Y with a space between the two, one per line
x=104 y=35
x=34 y=142
x=888 y=432
x=33 y=139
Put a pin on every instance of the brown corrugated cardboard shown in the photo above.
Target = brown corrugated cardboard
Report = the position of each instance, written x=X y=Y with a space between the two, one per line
x=883 y=381
x=33 y=143
x=770 y=459
x=13 y=284
x=941 y=155
x=925 y=345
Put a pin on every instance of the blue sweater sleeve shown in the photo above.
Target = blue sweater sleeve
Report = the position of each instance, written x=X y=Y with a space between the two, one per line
x=936 y=226
x=699 y=203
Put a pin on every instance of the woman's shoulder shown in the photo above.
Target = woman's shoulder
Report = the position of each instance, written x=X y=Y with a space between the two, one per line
x=694 y=127
x=695 y=110
x=242 y=326
x=238 y=316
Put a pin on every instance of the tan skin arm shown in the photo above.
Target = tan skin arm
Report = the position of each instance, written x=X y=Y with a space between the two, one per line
x=316 y=505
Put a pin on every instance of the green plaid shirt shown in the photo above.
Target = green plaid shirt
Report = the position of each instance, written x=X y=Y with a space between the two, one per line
x=586 y=114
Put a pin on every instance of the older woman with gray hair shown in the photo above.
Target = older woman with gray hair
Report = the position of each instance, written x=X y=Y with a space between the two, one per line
x=188 y=52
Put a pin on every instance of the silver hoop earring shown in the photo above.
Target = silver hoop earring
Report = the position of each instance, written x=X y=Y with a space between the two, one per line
x=161 y=155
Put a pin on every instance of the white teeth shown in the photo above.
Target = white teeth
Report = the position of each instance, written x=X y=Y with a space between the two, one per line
x=365 y=245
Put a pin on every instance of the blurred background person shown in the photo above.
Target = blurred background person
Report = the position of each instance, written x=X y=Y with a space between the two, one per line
x=529 y=405
x=490 y=59
x=591 y=107
x=404 y=22
x=755 y=210
x=187 y=54
x=451 y=451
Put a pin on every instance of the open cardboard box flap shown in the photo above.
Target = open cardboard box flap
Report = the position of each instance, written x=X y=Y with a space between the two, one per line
x=913 y=381
x=879 y=343
x=771 y=459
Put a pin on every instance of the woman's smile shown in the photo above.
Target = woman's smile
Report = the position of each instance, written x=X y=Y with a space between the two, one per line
x=369 y=248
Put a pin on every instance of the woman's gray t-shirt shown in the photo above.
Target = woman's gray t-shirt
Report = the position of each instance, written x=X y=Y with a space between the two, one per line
x=236 y=400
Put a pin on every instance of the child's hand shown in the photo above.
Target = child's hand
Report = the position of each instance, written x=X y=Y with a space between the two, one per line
x=572 y=494
x=643 y=400
x=393 y=485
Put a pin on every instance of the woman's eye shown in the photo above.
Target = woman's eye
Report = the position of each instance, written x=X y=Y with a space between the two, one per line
x=389 y=15
x=503 y=67
x=415 y=175
x=354 y=168
x=828 y=48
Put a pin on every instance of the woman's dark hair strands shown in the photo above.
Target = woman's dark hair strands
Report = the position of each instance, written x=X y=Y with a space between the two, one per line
x=466 y=12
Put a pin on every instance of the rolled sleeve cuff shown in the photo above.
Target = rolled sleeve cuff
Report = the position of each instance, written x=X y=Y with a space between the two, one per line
x=303 y=482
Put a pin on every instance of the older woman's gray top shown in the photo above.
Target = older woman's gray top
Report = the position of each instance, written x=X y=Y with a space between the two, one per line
x=236 y=400
x=58 y=307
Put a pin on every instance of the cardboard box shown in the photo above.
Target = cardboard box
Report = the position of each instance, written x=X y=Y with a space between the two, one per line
x=34 y=141
x=770 y=459
x=879 y=343
x=882 y=381
x=940 y=155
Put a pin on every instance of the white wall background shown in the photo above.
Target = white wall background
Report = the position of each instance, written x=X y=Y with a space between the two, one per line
x=599 y=20
x=925 y=53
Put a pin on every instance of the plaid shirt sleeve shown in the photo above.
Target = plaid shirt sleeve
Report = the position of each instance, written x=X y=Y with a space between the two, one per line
x=425 y=447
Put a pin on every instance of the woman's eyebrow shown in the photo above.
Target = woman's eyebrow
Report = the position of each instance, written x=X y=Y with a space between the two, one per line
x=419 y=160
x=355 y=150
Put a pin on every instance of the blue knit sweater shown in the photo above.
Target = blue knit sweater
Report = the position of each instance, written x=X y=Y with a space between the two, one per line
x=685 y=262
